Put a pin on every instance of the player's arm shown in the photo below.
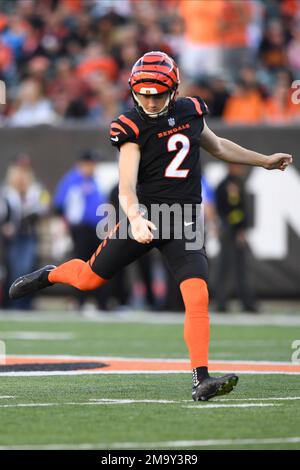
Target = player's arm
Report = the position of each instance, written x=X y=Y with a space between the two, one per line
x=231 y=152
x=128 y=171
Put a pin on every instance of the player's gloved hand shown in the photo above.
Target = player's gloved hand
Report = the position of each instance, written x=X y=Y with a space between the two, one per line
x=278 y=161
x=141 y=229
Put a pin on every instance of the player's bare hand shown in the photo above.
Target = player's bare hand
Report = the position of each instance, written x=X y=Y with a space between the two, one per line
x=142 y=229
x=278 y=161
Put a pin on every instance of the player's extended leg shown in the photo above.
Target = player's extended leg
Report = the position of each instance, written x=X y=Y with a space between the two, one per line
x=76 y=273
x=111 y=255
x=190 y=270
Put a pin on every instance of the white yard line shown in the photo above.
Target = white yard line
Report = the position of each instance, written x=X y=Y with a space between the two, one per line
x=36 y=335
x=248 y=342
x=127 y=401
x=144 y=359
x=201 y=406
x=160 y=445
x=260 y=399
x=189 y=401
x=116 y=401
x=230 y=405
x=131 y=372
x=234 y=319
x=230 y=369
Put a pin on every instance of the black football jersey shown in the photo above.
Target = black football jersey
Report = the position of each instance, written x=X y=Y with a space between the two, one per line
x=169 y=170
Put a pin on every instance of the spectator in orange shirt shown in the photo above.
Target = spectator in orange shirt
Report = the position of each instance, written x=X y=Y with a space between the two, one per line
x=289 y=10
x=202 y=53
x=73 y=6
x=96 y=60
x=234 y=24
x=279 y=108
x=245 y=106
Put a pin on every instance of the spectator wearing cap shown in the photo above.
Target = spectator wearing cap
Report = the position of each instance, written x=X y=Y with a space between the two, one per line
x=77 y=198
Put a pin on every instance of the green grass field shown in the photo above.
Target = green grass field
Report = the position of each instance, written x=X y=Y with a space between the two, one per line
x=145 y=411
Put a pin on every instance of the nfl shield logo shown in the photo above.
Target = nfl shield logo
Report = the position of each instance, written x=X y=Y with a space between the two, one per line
x=171 y=121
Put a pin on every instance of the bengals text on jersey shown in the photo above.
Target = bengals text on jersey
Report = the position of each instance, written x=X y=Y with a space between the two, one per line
x=169 y=170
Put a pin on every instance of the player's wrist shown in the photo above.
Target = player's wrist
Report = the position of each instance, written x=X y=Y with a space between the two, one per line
x=133 y=218
x=266 y=159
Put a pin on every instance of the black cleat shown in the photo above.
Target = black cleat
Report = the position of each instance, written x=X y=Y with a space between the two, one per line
x=214 y=386
x=31 y=282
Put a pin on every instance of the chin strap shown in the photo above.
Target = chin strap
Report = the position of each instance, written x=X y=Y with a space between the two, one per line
x=163 y=110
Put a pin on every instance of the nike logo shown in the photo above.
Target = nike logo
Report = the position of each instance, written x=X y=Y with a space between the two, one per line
x=115 y=139
x=186 y=224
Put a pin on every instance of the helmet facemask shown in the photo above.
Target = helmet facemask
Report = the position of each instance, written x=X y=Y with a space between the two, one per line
x=154 y=73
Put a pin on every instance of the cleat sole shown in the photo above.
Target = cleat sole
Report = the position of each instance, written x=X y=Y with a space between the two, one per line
x=223 y=389
x=227 y=387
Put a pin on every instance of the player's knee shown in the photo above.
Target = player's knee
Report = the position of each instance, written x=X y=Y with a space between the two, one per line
x=88 y=280
x=195 y=295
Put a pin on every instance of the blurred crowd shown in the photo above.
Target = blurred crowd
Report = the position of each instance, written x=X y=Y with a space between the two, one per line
x=23 y=203
x=70 y=59
x=70 y=220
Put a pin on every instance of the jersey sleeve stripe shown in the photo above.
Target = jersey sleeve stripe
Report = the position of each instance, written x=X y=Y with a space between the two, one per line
x=197 y=105
x=130 y=123
x=115 y=125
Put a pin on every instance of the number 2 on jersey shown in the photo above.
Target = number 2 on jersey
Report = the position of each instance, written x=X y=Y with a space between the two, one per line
x=172 y=170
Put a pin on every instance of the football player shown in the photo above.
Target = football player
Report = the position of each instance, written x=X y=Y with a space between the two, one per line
x=159 y=140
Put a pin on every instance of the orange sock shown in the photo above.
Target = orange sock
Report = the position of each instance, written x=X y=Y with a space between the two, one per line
x=76 y=273
x=196 y=325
